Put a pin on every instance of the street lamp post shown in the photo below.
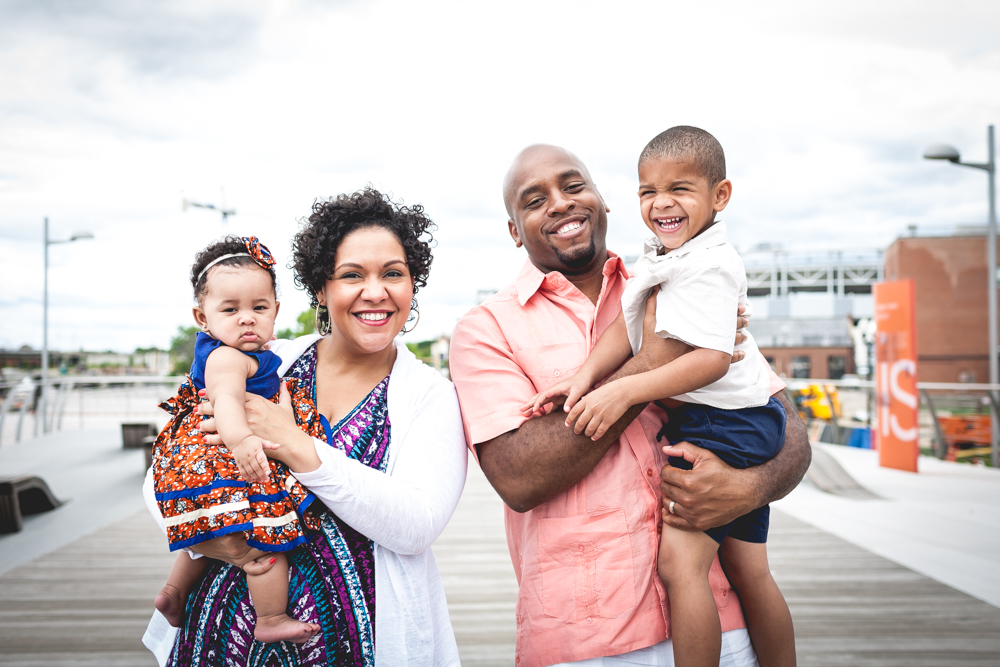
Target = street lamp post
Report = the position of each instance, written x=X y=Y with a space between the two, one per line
x=43 y=400
x=945 y=152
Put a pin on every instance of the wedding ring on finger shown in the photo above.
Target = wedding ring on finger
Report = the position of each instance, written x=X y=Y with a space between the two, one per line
x=670 y=507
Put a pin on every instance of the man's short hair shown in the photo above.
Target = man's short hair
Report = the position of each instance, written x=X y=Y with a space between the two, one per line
x=685 y=141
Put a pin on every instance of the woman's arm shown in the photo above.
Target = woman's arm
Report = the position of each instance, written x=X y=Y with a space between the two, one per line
x=407 y=510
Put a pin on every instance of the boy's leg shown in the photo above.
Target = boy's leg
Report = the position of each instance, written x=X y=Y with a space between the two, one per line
x=172 y=598
x=768 y=619
x=683 y=562
x=267 y=579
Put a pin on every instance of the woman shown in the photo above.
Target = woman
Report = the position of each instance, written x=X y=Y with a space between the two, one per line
x=389 y=463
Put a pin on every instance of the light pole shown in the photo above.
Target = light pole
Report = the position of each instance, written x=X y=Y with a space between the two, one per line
x=43 y=401
x=945 y=152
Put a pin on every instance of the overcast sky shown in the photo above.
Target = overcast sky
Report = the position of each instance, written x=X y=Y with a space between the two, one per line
x=113 y=111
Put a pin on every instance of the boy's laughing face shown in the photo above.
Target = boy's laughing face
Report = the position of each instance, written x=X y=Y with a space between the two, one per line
x=676 y=201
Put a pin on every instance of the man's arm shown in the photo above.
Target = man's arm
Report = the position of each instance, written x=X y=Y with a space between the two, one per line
x=543 y=457
x=712 y=493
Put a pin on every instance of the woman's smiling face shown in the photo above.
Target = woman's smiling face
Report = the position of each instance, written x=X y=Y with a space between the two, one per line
x=369 y=293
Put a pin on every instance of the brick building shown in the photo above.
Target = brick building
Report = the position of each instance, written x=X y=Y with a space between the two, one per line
x=949 y=274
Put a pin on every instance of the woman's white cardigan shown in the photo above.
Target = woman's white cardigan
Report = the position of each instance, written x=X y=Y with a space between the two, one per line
x=403 y=511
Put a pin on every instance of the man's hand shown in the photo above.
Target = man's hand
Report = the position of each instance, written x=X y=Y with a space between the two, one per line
x=710 y=494
x=742 y=322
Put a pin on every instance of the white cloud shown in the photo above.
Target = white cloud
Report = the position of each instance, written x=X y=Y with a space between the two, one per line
x=110 y=118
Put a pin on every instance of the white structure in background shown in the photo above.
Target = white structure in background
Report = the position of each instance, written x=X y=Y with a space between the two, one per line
x=811 y=285
x=156 y=362
x=439 y=354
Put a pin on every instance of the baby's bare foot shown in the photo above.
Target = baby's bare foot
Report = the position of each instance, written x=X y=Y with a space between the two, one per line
x=170 y=602
x=283 y=628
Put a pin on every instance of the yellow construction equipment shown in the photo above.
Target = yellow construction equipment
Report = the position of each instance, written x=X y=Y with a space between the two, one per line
x=817 y=402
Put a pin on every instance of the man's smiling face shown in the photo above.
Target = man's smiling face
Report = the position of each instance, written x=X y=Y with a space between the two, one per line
x=556 y=212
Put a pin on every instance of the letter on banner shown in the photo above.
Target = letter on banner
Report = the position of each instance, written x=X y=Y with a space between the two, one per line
x=896 y=379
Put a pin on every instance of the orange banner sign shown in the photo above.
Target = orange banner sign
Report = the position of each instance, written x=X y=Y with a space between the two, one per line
x=896 y=376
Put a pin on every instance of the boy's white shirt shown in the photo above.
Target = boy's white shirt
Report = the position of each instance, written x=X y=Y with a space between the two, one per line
x=402 y=510
x=701 y=285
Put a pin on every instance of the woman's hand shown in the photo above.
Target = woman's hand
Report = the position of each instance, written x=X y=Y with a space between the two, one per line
x=274 y=423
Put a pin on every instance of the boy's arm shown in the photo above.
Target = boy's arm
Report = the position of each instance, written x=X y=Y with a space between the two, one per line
x=696 y=369
x=611 y=351
x=226 y=373
x=542 y=458
x=604 y=406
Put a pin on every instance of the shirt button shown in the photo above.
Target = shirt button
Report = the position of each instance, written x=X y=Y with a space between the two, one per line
x=590 y=620
x=579 y=547
x=557 y=373
x=725 y=593
x=649 y=472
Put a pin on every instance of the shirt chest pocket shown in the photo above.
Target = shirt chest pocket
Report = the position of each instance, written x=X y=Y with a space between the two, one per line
x=586 y=566
x=547 y=364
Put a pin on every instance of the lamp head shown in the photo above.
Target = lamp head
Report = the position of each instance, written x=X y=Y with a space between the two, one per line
x=942 y=152
x=78 y=236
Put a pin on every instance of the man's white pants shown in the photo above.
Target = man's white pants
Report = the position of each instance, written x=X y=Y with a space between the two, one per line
x=737 y=651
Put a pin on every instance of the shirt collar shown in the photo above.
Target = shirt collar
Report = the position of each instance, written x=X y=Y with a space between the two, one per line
x=531 y=279
x=711 y=237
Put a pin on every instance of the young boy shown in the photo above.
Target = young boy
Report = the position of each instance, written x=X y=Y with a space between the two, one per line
x=722 y=407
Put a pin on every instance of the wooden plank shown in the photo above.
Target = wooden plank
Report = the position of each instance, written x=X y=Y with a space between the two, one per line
x=87 y=604
x=851 y=607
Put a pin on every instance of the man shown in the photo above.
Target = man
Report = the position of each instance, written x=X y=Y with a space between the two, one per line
x=582 y=517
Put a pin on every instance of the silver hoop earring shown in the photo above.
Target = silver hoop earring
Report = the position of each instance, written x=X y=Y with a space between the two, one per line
x=414 y=308
x=322 y=320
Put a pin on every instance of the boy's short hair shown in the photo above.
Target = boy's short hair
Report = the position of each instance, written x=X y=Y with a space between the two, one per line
x=687 y=141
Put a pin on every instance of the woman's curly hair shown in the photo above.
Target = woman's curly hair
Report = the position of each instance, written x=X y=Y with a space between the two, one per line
x=314 y=248
x=230 y=245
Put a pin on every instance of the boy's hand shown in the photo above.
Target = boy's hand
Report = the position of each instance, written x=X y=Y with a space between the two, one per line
x=572 y=388
x=251 y=460
x=596 y=412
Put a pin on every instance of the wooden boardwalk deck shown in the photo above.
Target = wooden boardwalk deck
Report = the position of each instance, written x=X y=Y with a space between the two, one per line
x=87 y=603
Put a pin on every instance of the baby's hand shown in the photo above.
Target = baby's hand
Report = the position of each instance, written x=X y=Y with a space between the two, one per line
x=542 y=403
x=596 y=412
x=251 y=460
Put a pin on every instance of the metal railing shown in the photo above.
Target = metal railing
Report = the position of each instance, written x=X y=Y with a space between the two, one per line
x=928 y=392
x=24 y=398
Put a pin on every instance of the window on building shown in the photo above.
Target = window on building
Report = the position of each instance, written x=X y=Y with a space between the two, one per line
x=836 y=366
x=770 y=362
x=801 y=367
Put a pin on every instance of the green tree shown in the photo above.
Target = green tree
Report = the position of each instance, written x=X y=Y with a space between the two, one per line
x=182 y=349
x=305 y=325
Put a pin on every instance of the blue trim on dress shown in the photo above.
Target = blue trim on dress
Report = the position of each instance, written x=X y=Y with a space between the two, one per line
x=287 y=546
x=306 y=502
x=190 y=493
x=267 y=497
x=219 y=532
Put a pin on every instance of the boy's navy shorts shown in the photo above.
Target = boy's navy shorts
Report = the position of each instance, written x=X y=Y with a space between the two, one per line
x=742 y=438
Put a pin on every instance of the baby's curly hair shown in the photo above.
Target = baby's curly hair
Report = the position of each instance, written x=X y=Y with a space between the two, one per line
x=315 y=246
x=230 y=245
